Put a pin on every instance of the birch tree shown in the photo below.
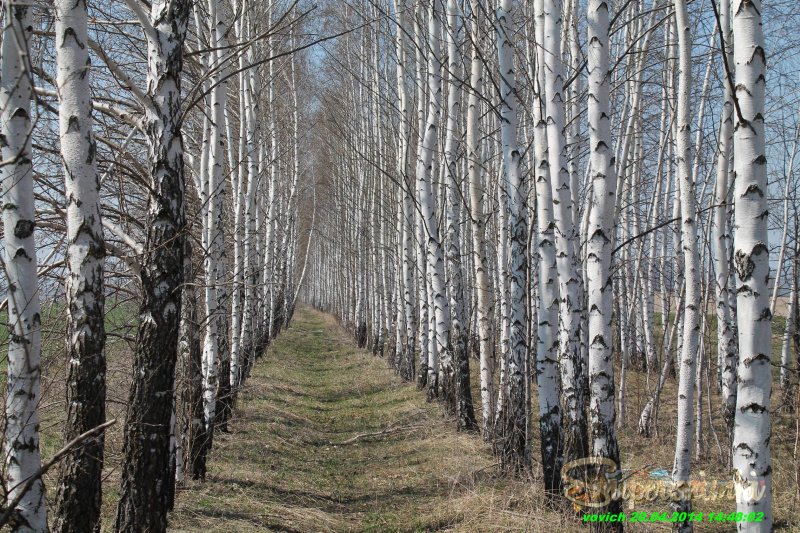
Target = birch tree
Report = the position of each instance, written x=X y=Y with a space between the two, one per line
x=752 y=466
x=213 y=228
x=440 y=356
x=514 y=414
x=79 y=498
x=21 y=439
x=143 y=500
x=600 y=239
x=476 y=195
x=790 y=331
x=727 y=348
x=691 y=256
x=573 y=377
x=547 y=368
x=406 y=235
x=459 y=389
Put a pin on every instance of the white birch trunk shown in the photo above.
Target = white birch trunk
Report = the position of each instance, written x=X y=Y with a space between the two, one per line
x=573 y=378
x=788 y=380
x=435 y=260
x=239 y=175
x=485 y=308
x=456 y=379
x=787 y=195
x=406 y=231
x=514 y=414
x=751 y=434
x=21 y=440
x=215 y=316
x=727 y=348
x=144 y=490
x=78 y=497
x=547 y=368
x=250 y=134
x=691 y=258
x=600 y=241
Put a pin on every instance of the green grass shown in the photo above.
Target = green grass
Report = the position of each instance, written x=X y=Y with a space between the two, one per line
x=284 y=467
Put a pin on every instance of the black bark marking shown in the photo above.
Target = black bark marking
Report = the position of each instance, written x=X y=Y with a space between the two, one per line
x=744 y=265
x=73 y=124
x=23 y=229
x=754 y=408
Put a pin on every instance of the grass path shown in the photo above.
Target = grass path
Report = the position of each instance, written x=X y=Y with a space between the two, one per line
x=287 y=466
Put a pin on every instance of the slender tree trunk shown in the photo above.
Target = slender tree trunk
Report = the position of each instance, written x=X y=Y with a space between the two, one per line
x=787 y=195
x=727 y=348
x=425 y=197
x=788 y=380
x=600 y=240
x=237 y=170
x=249 y=81
x=409 y=264
x=573 y=376
x=513 y=417
x=691 y=258
x=483 y=287
x=547 y=368
x=215 y=343
x=457 y=393
x=268 y=255
x=502 y=278
x=143 y=498
x=751 y=434
x=420 y=238
x=21 y=442
x=218 y=241
x=651 y=407
x=78 y=494
x=190 y=353
x=422 y=298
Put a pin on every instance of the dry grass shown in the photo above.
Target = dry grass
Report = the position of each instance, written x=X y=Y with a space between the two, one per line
x=283 y=466
x=658 y=451
x=120 y=324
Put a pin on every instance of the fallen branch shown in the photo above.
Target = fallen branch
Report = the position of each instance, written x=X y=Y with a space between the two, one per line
x=68 y=447
x=388 y=431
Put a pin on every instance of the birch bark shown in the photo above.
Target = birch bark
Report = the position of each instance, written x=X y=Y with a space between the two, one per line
x=190 y=353
x=425 y=197
x=143 y=498
x=485 y=308
x=456 y=383
x=514 y=414
x=78 y=495
x=691 y=262
x=21 y=439
x=547 y=369
x=215 y=229
x=727 y=348
x=751 y=434
x=573 y=377
x=600 y=241
x=408 y=222
x=788 y=380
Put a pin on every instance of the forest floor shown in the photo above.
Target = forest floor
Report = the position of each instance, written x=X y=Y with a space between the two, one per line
x=327 y=438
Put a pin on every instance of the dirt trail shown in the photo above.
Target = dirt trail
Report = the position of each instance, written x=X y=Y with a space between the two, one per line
x=327 y=438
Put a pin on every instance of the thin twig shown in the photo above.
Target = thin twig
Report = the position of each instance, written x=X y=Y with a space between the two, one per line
x=68 y=447
x=728 y=73
x=388 y=431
